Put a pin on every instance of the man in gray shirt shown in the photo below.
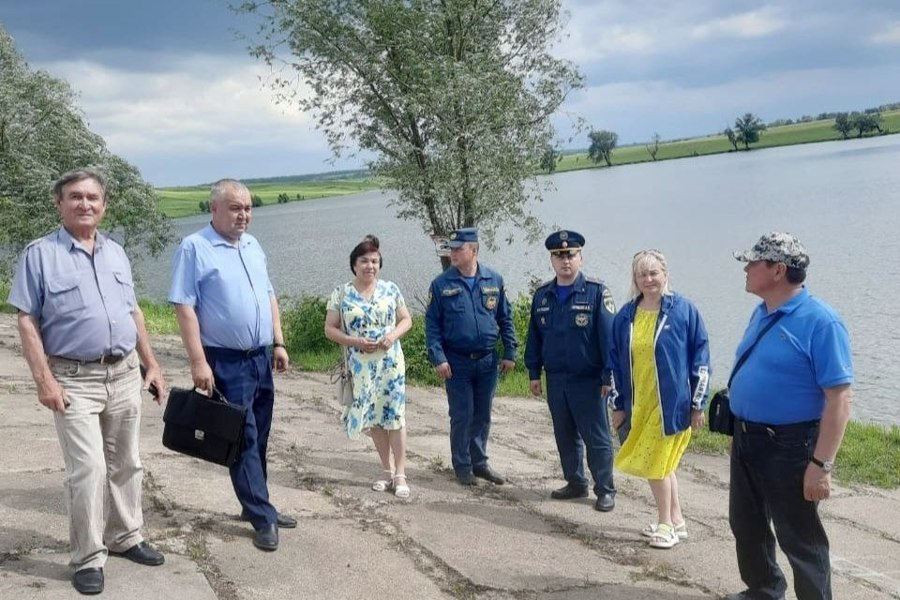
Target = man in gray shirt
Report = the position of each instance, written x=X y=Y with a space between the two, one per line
x=84 y=338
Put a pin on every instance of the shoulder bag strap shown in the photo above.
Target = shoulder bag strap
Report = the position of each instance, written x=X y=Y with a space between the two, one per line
x=344 y=349
x=740 y=362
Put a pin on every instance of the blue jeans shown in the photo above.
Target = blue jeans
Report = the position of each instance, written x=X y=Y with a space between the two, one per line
x=470 y=394
x=245 y=378
x=580 y=420
x=767 y=467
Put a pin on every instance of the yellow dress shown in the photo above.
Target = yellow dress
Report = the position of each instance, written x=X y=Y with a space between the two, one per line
x=648 y=452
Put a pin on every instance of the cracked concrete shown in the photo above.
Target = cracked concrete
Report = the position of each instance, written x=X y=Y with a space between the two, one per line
x=506 y=542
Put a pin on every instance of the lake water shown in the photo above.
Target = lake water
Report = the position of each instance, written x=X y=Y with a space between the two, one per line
x=842 y=199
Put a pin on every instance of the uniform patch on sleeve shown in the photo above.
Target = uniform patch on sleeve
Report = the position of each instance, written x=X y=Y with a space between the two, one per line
x=608 y=302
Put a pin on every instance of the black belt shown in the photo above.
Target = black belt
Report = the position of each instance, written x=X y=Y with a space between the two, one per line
x=235 y=353
x=106 y=359
x=752 y=427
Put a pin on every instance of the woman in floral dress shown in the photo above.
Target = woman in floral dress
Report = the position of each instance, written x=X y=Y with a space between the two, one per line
x=369 y=316
x=660 y=364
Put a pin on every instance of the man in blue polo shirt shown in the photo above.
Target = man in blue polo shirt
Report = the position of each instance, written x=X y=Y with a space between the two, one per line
x=228 y=315
x=468 y=313
x=791 y=399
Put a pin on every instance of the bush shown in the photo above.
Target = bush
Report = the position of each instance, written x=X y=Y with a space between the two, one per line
x=256 y=201
x=303 y=323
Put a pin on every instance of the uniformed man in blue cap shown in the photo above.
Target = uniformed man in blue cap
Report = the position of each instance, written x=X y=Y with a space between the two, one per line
x=568 y=339
x=468 y=313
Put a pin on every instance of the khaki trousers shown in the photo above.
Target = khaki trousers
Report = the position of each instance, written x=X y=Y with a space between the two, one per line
x=99 y=434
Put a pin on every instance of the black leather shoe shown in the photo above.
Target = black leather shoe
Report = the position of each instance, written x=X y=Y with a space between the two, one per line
x=142 y=554
x=605 y=503
x=569 y=492
x=88 y=581
x=486 y=472
x=745 y=595
x=466 y=479
x=284 y=521
x=266 y=538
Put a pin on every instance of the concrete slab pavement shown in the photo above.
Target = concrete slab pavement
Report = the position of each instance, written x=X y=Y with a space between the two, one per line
x=445 y=542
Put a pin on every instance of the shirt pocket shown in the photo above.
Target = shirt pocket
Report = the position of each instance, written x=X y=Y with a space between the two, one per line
x=64 y=295
x=490 y=302
x=126 y=287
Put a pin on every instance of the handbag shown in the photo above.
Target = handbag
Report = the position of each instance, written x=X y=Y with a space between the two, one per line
x=721 y=419
x=341 y=375
x=205 y=427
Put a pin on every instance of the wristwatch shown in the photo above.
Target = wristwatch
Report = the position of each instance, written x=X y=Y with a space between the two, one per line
x=825 y=465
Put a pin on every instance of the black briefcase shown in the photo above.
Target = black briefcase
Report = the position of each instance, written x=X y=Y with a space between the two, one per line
x=210 y=428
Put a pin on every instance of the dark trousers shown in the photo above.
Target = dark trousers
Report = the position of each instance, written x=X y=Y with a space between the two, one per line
x=767 y=467
x=245 y=378
x=470 y=394
x=580 y=421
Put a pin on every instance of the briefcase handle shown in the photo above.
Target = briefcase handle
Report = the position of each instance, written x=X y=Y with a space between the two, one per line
x=216 y=395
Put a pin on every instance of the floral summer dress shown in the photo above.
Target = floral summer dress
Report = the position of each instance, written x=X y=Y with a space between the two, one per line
x=648 y=452
x=379 y=378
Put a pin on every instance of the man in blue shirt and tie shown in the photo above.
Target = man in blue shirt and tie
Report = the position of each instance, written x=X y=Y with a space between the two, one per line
x=228 y=315
x=468 y=313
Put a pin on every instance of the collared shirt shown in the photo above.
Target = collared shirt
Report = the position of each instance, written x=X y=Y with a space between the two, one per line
x=82 y=301
x=804 y=353
x=463 y=320
x=229 y=287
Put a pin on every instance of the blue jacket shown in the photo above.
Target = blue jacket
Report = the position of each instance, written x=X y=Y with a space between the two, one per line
x=681 y=350
x=572 y=337
x=463 y=321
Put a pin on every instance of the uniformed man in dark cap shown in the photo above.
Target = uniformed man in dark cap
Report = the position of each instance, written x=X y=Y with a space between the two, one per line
x=468 y=313
x=568 y=338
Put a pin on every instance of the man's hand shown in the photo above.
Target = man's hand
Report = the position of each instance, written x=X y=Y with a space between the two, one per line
x=154 y=377
x=507 y=365
x=618 y=418
x=202 y=376
x=280 y=358
x=536 y=389
x=697 y=419
x=443 y=371
x=52 y=395
x=816 y=483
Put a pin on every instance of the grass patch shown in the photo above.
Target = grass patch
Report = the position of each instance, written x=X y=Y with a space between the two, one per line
x=784 y=135
x=869 y=455
x=160 y=317
x=185 y=201
x=4 y=294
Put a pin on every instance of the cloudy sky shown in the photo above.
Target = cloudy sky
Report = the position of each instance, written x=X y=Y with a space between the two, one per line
x=171 y=88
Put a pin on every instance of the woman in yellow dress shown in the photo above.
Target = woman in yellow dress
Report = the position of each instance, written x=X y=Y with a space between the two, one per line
x=660 y=363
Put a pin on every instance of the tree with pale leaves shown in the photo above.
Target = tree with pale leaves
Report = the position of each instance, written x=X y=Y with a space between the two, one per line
x=453 y=98
x=43 y=135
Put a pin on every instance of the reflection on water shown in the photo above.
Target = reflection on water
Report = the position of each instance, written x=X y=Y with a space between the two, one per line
x=839 y=198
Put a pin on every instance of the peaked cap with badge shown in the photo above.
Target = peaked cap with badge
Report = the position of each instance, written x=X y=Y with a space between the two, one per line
x=463 y=235
x=564 y=241
x=777 y=247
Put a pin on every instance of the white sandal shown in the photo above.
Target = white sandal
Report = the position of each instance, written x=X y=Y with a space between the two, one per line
x=383 y=485
x=680 y=530
x=664 y=537
x=401 y=490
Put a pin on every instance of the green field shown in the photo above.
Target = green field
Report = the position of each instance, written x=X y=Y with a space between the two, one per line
x=785 y=135
x=185 y=201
